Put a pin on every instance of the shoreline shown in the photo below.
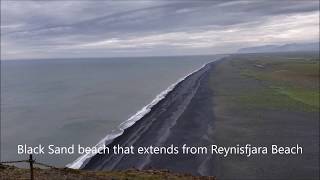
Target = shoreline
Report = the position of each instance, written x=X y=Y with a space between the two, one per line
x=110 y=138
x=167 y=124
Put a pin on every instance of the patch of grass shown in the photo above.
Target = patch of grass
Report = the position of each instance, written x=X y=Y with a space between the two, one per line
x=291 y=84
x=270 y=99
x=276 y=100
x=290 y=72
x=308 y=97
x=254 y=74
x=305 y=68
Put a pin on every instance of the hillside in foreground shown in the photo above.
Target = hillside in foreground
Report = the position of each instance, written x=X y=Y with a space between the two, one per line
x=14 y=173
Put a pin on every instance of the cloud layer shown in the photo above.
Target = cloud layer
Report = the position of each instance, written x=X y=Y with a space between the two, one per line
x=43 y=29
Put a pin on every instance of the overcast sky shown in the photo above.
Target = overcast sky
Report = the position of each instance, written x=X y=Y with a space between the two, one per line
x=40 y=29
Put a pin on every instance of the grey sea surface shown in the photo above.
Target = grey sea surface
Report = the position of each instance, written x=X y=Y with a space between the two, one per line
x=79 y=101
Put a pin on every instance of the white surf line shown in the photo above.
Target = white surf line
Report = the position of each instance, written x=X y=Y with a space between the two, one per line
x=79 y=162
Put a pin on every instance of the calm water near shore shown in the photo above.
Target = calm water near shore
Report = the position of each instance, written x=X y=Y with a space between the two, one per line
x=79 y=101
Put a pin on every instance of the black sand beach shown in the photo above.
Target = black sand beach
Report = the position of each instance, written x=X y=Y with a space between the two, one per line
x=229 y=102
x=172 y=121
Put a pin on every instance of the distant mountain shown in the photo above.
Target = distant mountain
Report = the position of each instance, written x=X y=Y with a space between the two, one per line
x=282 y=48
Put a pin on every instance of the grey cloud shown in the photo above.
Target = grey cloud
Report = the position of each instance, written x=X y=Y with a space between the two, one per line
x=51 y=26
x=168 y=17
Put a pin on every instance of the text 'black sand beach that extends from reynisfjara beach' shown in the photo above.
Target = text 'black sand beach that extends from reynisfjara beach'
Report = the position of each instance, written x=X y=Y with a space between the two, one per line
x=158 y=89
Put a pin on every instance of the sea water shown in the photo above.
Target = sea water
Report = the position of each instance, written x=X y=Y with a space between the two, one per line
x=79 y=101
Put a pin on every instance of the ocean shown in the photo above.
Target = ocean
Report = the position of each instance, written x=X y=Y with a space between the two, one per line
x=80 y=101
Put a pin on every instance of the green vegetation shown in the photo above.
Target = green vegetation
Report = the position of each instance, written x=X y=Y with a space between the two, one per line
x=291 y=84
x=308 y=97
x=266 y=99
x=281 y=98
